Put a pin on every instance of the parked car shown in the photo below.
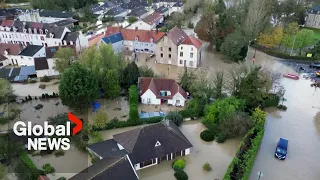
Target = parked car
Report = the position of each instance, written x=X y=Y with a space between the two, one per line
x=315 y=65
x=282 y=149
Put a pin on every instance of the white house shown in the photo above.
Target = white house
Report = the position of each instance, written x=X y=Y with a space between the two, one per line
x=8 y=54
x=115 y=40
x=163 y=141
x=189 y=52
x=24 y=33
x=28 y=54
x=44 y=16
x=149 y=22
x=177 y=7
x=158 y=91
x=45 y=67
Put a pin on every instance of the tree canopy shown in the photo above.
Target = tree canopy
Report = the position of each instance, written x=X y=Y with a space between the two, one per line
x=61 y=5
x=64 y=58
x=130 y=75
x=110 y=84
x=235 y=46
x=5 y=90
x=78 y=87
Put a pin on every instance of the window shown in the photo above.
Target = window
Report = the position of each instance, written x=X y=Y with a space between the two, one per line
x=148 y=100
x=146 y=44
x=161 y=49
x=181 y=54
x=170 y=49
x=137 y=43
x=169 y=55
x=151 y=45
x=192 y=49
x=178 y=102
x=42 y=38
x=181 y=61
x=181 y=48
x=161 y=55
x=191 y=63
x=191 y=55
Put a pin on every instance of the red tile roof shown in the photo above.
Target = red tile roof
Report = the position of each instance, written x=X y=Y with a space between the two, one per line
x=160 y=84
x=112 y=30
x=37 y=25
x=143 y=35
x=94 y=40
x=8 y=23
x=152 y=18
x=193 y=41
x=12 y=49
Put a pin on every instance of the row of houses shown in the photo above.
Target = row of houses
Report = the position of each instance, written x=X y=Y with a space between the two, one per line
x=174 y=47
x=39 y=60
x=35 y=33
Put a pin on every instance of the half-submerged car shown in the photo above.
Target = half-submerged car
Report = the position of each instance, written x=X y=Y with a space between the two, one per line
x=282 y=148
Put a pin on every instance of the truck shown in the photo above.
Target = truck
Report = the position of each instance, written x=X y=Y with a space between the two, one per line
x=282 y=149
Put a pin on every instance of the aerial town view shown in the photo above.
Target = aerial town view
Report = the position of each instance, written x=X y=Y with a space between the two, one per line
x=159 y=89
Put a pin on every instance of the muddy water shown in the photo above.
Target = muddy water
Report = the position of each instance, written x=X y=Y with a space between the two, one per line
x=218 y=155
x=34 y=90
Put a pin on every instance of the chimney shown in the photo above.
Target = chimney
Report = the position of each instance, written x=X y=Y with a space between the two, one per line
x=136 y=28
x=156 y=30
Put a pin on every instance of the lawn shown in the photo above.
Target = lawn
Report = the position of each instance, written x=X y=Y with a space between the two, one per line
x=316 y=34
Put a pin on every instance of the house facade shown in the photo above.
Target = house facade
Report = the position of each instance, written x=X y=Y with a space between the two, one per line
x=28 y=54
x=149 y=22
x=177 y=7
x=313 y=18
x=44 y=16
x=167 y=47
x=189 y=52
x=45 y=67
x=164 y=141
x=24 y=33
x=160 y=91
x=9 y=53
x=141 y=41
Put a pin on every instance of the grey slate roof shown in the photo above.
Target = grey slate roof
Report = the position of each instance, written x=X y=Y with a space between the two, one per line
x=71 y=36
x=115 y=11
x=138 y=12
x=41 y=63
x=108 y=148
x=315 y=10
x=178 y=4
x=30 y=50
x=57 y=14
x=113 y=168
x=177 y=35
x=140 y=142
x=162 y=9
x=65 y=22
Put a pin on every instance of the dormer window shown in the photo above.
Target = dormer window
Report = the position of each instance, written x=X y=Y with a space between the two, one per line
x=40 y=30
x=24 y=30
x=46 y=31
x=51 y=35
x=157 y=144
x=30 y=31
x=35 y=31
x=137 y=38
x=151 y=40
x=71 y=42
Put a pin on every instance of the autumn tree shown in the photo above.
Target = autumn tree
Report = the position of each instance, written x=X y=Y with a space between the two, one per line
x=304 y=38
x=78 y=87
x=271 y=37
x=64 y=58
x=100 y=119
x=110 y=84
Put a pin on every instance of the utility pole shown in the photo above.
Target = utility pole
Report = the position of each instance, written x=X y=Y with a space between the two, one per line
x=294 y=41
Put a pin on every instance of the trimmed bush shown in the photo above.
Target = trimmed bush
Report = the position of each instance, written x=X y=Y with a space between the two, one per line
x=27 y=161
x=207 y=167
x=282 y=107
x=62 y=178
x=42 y=86
x=190 y=25
x=175 y=117
x=31 y=81
x=178 y=165
x=48 y=169
x=181 y=175
x=45 y=79
x=207 y=135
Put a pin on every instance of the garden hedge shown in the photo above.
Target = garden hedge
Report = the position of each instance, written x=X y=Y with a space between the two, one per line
x=27 y=161
x=207 y=135
x=282 y=55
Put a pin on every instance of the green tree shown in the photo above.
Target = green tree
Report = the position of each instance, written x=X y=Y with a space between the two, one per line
x=100 y=119
x=3 y=171
x=95 y=137
x=133 y=101
x=145 y=71
x=175 y=117
x=235 y=46
x=316 y=50
x=132 y=19
x=63 y=59
x=111 y=85
x=290 y=31
x=220 y=7
x=224 y=27
x=186 y=79
x=304 y=38
x=259 y=118
x=5 y=90
x=133 y=94
x=218 y=85
x=130 y=75
x=78 y=88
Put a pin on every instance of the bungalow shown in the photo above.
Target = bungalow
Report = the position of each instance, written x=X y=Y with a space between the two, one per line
x=145 y=146
x=160 y=90
x=149 y=22
x=142 y=41
x=139 y=12
x=115 y=40
x=27 y=55
x=112 y=168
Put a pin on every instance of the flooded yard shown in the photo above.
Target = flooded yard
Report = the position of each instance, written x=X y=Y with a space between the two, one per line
x=33 y=89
